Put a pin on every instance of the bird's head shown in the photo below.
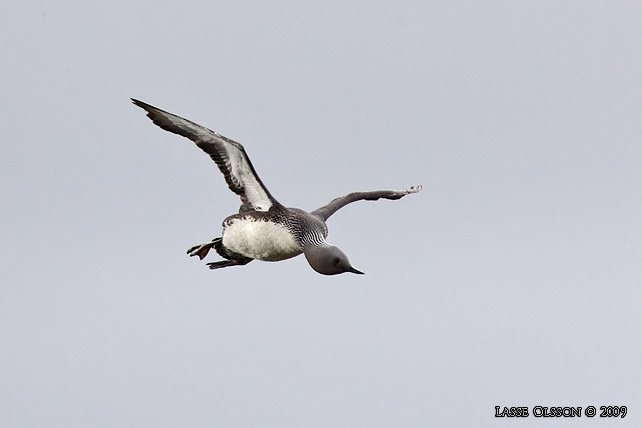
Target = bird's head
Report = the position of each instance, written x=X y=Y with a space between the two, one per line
x=328 y=259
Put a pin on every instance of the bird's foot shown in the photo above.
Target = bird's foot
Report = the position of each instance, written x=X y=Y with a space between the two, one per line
x=200 y=250
x=226 y=263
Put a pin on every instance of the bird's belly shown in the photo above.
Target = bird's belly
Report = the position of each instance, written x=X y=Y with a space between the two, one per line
x=260 y=240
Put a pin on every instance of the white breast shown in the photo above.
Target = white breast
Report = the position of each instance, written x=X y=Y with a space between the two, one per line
x=260 y=240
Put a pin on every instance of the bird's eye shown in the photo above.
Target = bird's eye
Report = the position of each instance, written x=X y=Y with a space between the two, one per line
x=336 y=261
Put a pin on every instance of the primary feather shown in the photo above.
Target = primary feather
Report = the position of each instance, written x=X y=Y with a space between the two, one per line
x=230 y=157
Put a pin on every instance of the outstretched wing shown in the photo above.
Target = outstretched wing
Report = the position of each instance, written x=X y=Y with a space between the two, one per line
x=326 y=211
x=229 y=155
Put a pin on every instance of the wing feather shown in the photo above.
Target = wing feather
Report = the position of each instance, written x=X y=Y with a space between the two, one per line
x=337 y=203
x=229 y=156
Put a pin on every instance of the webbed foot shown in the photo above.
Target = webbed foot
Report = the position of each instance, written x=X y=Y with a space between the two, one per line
x=226 y=263
x=201 y=250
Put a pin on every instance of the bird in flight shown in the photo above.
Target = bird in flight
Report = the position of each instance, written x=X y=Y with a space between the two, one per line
x=264 y=229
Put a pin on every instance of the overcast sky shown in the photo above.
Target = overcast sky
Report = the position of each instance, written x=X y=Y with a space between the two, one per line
x=513 y=279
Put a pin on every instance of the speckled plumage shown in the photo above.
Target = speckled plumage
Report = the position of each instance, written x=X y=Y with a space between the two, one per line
x=301 y=227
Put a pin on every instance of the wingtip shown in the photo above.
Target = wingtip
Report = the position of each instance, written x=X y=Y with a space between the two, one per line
x=138 y=103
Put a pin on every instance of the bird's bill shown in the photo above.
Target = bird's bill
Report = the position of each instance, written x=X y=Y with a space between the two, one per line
x=353 y=270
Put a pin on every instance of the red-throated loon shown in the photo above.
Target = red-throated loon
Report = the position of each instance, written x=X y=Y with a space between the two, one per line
x=264 y=229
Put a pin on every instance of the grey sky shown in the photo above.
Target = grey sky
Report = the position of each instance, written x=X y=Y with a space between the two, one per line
x=513 y=278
